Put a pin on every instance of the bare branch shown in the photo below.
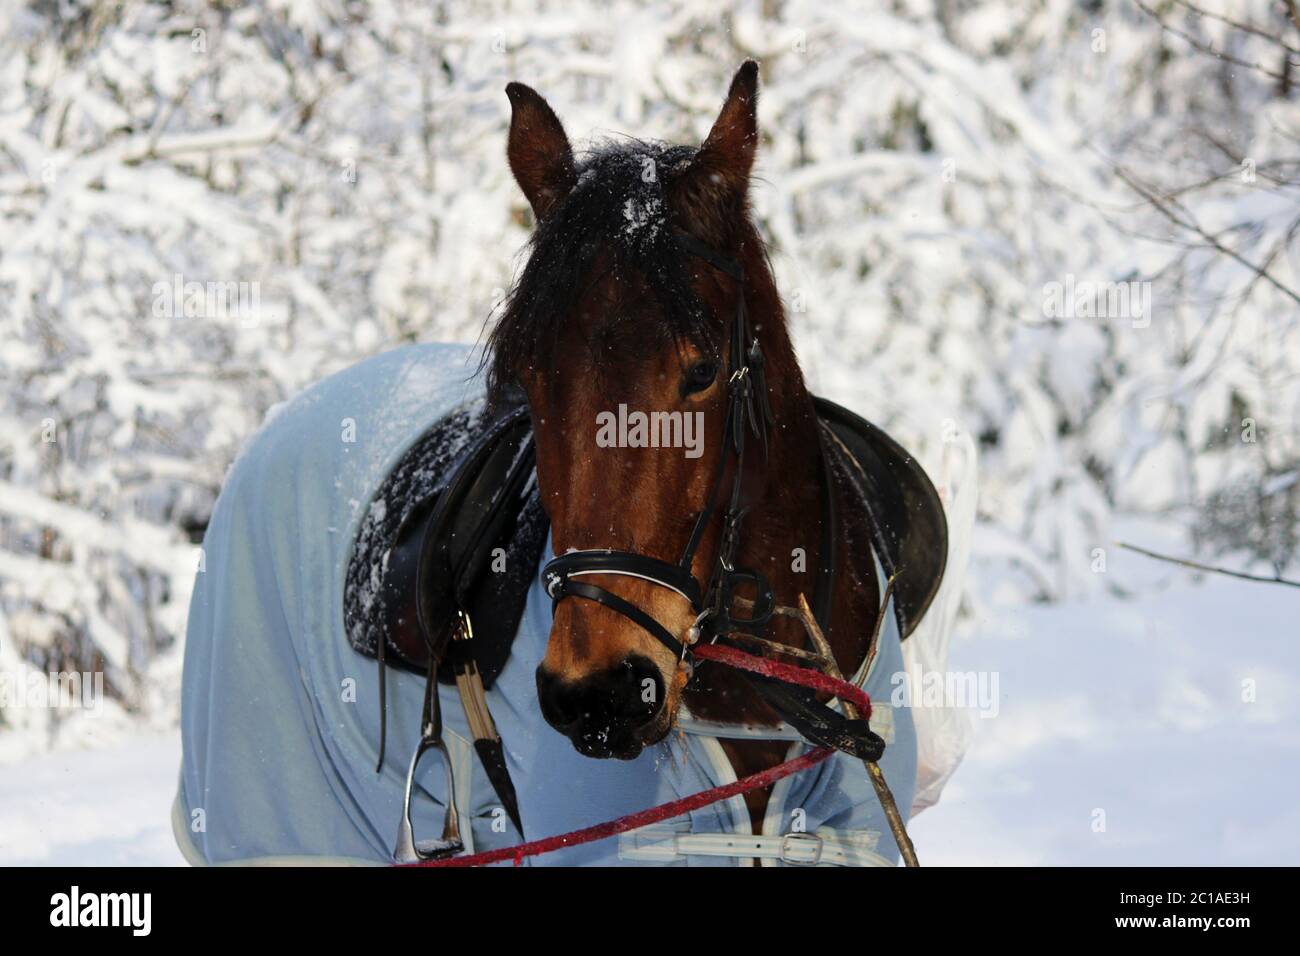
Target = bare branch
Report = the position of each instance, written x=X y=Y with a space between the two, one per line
x=1164 y=209
x=1196 y=565
x=1206 y=48
x=1245 y=27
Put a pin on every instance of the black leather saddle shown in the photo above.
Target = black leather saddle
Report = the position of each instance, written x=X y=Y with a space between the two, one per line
x=474 y=541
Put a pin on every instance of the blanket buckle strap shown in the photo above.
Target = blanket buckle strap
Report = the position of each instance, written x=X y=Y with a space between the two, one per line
x=790 y=856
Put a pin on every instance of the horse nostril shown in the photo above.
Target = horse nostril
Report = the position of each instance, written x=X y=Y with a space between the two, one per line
x=560 y=706
x=641 y=691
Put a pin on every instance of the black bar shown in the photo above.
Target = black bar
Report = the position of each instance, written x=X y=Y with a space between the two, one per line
x=825 y=906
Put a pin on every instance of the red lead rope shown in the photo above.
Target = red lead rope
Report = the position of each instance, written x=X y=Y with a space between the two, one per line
x=641 y=818
x=675 y=808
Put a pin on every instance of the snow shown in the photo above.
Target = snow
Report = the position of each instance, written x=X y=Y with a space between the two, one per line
x=1134 y=709
x=103 y=807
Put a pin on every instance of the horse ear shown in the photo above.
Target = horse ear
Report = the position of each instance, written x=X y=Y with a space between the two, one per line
x=713 y=189
x=538 y=150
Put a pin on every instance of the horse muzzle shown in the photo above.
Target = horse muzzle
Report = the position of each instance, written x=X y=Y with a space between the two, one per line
x=611 y=713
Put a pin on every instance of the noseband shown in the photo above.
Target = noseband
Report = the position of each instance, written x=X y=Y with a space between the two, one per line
x=748 y=411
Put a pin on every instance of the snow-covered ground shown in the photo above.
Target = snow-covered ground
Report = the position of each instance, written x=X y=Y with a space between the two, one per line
x=1136 y=709
x=1140 y=711
x=101 y=807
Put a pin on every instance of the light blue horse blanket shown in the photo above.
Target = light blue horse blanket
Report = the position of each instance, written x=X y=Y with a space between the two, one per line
x=280 y=715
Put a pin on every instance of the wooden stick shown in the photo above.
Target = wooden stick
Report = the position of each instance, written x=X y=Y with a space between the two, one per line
x=781 y=610
x=874 y=646
x=876 y=775
x=799 y=653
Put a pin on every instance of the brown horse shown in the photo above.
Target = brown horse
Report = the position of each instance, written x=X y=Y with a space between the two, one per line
x=610 y=312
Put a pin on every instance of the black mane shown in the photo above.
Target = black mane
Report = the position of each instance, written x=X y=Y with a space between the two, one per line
x=618 y=209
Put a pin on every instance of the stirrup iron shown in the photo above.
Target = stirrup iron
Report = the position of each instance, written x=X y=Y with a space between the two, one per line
x=407 y=848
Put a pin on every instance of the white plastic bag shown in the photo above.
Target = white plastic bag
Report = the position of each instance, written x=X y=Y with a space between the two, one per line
x=943 y=733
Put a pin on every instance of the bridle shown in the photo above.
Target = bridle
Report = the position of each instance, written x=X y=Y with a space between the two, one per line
x=749 y=415
x=748 y=412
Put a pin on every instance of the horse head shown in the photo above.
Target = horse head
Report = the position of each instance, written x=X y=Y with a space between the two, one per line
x=619 y=337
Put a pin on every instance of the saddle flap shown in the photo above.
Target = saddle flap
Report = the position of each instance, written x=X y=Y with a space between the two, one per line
x=478 y=512
x=910 y=527
x=472 y=513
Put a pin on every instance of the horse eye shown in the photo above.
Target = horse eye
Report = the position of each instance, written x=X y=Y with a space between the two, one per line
x=699 y=377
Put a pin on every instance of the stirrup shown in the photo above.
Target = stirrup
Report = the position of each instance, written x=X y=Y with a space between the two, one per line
x=408 y=849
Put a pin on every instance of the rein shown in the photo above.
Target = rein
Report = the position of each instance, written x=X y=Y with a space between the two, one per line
x=813 y=680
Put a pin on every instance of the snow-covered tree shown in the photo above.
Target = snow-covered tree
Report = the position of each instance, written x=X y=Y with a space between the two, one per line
x=206 y=206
